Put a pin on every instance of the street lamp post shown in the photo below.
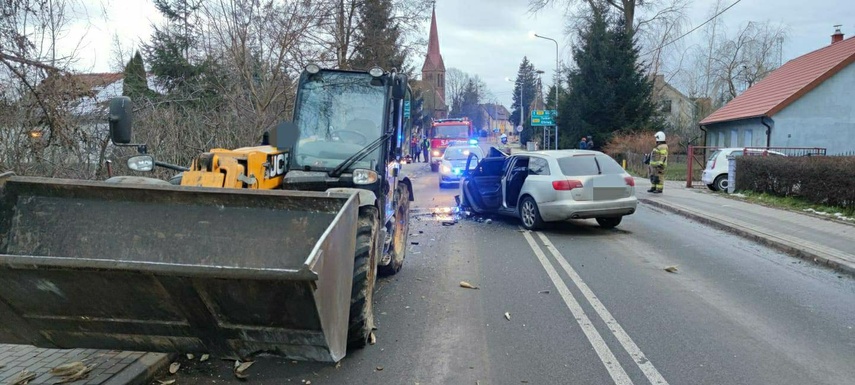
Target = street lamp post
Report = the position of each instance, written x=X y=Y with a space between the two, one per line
x=557 y=81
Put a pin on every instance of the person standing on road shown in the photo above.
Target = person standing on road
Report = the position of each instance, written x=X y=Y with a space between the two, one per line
x=414 y=149
x=583 y=145
x=426 y=148
x=590 y=142
x=658 y=161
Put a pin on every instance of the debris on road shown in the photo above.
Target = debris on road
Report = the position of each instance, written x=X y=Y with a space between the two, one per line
x=379 y=368
x=543 y=292
x=467 y=285
x=166 y=382
x=174 y=368
x=488 y=221
x=414 y=243
x=23 y=378
x=372 y=339
x=508 y=316
x=241 y=367
x=671 y=269
x=79 y=375
x=67 y=369
x=338 y=365
x=204 y=358
x=190 y=356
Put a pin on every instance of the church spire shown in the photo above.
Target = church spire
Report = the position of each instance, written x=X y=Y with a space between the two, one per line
x=433 y=61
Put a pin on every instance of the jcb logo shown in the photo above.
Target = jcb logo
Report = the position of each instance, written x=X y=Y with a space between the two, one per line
x=277 y=165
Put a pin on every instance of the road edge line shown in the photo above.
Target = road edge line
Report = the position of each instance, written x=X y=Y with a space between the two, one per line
x=607 y=357
x=819 y=258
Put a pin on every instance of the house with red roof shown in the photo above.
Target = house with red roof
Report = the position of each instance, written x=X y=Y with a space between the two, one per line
x=807 y=102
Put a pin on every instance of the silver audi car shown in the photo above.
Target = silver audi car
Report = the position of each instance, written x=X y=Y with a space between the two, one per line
x=549 y=186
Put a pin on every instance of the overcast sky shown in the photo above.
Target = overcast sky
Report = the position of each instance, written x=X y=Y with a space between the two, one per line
x=490 y=37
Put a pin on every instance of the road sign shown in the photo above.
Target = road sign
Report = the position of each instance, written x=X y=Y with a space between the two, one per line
x=519 y=128
x=543 y=117
x=406 y=109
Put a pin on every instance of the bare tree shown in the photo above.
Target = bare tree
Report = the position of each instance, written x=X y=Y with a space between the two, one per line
x=636 y=13
x=740 y=61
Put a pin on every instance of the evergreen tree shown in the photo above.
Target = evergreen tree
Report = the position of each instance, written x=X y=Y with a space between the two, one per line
x=527 y=82
x=378 y=41
x=608 y=90
x=471 y=103
x=169 y=51
x=135 y=84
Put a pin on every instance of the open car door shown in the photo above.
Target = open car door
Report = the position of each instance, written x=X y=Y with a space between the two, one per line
x=482 y=188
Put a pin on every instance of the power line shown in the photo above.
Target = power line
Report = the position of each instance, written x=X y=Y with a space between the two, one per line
x=693 y=29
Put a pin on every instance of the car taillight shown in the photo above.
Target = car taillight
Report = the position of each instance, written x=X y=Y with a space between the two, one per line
x=566 y=185
x=712 y=165
x=629 y=181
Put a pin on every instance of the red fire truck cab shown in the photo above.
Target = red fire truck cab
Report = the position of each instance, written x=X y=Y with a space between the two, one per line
x=444 y=131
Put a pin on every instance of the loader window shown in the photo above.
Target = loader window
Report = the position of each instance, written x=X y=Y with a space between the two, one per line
x=338 y=114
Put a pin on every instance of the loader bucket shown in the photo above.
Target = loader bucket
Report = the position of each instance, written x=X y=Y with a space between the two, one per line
x=227 y=272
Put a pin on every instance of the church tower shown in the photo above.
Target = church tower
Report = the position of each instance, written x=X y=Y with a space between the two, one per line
x=433 y=74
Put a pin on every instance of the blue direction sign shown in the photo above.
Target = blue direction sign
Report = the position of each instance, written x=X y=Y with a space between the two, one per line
x=406 y=109
x=543 y=117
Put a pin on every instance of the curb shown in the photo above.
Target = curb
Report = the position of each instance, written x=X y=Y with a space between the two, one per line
x=819 y=258
x=143 y=370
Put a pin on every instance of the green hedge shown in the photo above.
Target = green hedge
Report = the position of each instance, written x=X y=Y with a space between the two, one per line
x=825 y=180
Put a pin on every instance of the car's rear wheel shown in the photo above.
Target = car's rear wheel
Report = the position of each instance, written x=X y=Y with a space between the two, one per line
x=711 y=186
x=609 y=223
x=529 y=214
x=720 y=183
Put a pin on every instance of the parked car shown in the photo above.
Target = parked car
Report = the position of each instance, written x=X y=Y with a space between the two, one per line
x=715 y=174
x=550 y=186
x=453 y=162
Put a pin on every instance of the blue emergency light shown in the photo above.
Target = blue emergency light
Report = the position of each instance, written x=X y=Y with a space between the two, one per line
x=473 y=141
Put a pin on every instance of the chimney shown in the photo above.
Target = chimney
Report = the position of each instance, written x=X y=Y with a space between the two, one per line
x=838 y=36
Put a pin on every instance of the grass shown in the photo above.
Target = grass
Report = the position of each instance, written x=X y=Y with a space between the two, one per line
x=795 y=204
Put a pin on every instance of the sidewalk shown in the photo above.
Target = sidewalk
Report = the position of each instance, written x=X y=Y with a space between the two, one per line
x=111 y=367
x=823 y=241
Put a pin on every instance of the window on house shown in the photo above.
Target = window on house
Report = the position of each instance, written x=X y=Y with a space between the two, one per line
x=665 y=106
x=734 y=138
x=720 y=139
x=749 y=138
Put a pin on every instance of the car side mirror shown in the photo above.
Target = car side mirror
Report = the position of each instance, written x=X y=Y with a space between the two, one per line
x=141 y=163
x=121 y=119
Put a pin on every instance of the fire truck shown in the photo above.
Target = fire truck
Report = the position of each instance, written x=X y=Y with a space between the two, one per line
x=445 y=131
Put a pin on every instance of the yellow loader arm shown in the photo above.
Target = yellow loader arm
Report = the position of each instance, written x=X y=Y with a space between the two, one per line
x=261 y=168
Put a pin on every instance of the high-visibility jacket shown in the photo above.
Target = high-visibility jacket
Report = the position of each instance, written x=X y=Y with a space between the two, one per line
x=659 y=156
x=426 y=144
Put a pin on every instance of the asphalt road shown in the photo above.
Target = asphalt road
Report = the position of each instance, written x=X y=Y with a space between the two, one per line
x=586 y=306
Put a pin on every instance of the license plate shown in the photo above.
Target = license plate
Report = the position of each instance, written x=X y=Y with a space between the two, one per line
x=609 y=193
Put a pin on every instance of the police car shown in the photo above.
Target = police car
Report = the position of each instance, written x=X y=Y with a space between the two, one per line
x=453 y=162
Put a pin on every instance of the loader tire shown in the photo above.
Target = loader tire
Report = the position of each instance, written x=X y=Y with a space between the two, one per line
x=361 y=319
x=398 y=250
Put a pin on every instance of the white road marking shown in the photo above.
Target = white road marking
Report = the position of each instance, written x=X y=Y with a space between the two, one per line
x=637 y=355
x=606 y=356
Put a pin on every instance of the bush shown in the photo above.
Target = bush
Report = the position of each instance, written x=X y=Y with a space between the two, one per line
x=821 y=179
x=632 y=148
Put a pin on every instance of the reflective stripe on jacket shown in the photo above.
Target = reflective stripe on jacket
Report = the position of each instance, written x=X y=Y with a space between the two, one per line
x=659 y=156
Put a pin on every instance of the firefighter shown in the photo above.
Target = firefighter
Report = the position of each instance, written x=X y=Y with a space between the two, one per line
x=426 y=148
x=658 y=161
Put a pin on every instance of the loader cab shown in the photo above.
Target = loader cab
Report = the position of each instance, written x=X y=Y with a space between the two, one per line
x=350 y=129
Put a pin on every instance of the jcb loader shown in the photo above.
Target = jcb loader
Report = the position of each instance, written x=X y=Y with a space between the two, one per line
x=267 y=249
